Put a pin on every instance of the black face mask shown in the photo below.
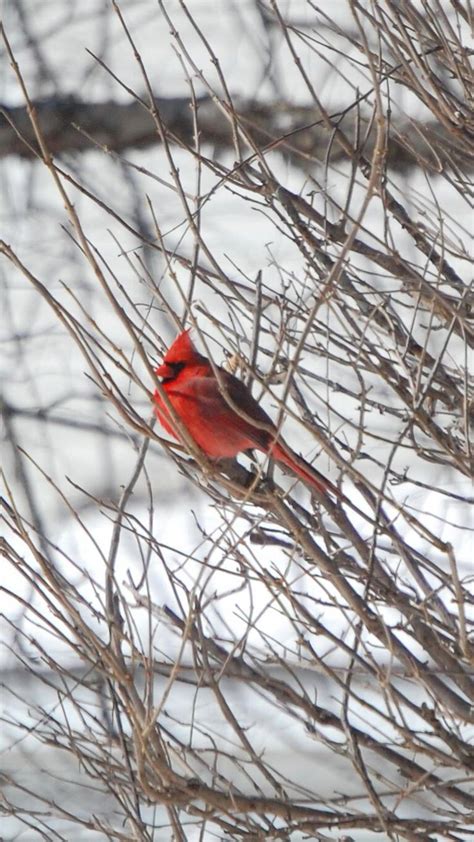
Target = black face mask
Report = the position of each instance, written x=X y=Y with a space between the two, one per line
x=175 y=369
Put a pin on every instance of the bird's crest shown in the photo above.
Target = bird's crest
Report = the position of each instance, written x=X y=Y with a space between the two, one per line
x=182 y=349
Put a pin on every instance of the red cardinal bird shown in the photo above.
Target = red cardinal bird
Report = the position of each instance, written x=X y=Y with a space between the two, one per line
x=220 y=414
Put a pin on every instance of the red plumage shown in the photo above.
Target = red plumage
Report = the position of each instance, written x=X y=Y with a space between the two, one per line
x=220 y=414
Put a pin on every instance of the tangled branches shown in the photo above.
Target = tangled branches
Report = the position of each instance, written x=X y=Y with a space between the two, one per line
x=153 y=626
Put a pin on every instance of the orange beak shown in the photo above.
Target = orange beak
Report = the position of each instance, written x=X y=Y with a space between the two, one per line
x=163 y=370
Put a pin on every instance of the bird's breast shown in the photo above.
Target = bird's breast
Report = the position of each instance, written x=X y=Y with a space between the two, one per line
x=211 y=423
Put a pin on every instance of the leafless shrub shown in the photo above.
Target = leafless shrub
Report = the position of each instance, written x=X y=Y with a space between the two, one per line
x=294 y=668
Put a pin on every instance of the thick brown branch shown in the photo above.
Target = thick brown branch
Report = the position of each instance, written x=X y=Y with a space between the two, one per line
x=70 y=125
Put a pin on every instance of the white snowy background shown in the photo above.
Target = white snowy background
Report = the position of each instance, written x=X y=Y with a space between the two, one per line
x=42 y=370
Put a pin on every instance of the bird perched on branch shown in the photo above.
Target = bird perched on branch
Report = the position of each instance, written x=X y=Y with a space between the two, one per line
x=220 y=414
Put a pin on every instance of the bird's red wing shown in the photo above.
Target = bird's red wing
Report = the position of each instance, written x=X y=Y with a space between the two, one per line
x=216 y=426
x=266 y=439
x=250 y=412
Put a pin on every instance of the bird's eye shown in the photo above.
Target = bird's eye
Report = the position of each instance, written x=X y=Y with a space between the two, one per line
x=170 y=370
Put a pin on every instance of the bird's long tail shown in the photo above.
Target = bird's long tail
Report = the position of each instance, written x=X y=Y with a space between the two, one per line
x=304 y=470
